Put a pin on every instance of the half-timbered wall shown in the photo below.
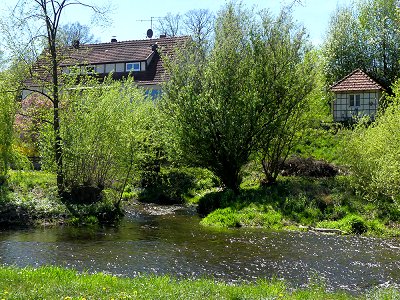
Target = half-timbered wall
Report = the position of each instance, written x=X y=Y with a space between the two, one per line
x=346 y=104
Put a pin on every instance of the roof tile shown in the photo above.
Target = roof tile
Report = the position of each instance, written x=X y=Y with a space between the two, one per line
x=356 y=81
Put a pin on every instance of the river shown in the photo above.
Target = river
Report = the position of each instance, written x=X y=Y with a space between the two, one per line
x=164 y=240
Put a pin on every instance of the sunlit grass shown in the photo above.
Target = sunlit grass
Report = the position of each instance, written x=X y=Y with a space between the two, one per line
x=58 y=283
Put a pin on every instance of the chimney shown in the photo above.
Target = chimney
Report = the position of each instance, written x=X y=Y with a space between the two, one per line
x=162 y=36
x=75 y=44
x=114 y=39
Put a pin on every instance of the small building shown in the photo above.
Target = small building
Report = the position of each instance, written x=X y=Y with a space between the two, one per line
x=356 y=95
x=139 y=58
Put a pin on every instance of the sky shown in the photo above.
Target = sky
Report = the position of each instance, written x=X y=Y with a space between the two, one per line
x=130 y=19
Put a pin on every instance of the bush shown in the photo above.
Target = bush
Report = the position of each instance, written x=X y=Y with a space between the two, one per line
x=373 y=154
x=355 y=224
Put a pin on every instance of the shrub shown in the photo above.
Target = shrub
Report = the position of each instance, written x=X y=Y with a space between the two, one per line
x=373 y=154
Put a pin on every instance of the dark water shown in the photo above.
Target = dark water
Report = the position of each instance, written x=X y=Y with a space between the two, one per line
x=175 y=243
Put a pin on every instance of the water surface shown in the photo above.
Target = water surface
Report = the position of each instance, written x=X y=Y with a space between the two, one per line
x=170 y=241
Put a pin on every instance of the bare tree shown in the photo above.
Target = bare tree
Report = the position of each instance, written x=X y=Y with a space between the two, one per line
x=170 y=25
x=199 y=23
x=76 y=32
x=41 y=20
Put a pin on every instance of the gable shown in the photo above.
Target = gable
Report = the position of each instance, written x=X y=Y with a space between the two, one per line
x=356 y=81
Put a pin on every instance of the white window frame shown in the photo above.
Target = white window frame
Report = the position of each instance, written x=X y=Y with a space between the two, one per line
x=132 y=67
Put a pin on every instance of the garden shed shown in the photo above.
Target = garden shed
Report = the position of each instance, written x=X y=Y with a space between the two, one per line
x=356 y=95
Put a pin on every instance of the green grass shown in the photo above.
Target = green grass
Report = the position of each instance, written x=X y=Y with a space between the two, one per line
x=30 y=196
x=295 y=201
x=58 y=283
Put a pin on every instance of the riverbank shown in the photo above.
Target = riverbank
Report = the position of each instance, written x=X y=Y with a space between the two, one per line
x=58 y=283
x=325 y=205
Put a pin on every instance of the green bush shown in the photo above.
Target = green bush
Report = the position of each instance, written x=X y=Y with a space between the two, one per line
x=373 y=154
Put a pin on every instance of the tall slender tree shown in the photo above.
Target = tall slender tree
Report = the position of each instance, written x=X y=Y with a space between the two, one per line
x=42 y=20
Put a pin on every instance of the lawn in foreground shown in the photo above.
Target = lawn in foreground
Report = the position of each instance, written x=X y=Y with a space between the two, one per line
x=59 y=283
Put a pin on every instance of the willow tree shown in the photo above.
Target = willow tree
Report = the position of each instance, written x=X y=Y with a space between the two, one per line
x=39 y=22
x=227 y=105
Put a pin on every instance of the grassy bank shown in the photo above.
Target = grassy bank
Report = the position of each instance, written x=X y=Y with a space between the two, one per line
x=298 y=202
x=30 y=198
x=57 y=283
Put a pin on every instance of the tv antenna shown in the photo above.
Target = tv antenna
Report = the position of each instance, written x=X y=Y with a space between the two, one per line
x=150 y=20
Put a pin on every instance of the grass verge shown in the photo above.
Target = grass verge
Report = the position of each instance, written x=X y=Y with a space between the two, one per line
x=58 y=283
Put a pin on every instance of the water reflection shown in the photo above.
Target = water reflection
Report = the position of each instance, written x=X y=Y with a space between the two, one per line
x=176 y=244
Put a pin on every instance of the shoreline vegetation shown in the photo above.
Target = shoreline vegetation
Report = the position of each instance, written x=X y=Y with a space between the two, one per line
x=324 y=205
x=59 y=283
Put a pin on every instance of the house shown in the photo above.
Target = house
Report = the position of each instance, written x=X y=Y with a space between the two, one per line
x=356 y=95
x=140 y=58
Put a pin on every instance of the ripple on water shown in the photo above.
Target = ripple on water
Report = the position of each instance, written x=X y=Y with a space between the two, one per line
x=174 y=243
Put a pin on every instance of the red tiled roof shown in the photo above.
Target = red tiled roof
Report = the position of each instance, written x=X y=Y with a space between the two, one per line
x=356 y=81
x=118 y=52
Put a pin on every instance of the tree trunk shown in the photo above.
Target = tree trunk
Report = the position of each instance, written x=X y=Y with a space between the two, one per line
x=56 y=119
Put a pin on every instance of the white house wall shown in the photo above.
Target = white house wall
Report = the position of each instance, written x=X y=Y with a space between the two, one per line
x=368 y=105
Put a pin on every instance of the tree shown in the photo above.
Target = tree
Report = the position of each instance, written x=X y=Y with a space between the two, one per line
x=46 y=74
x=170 y=25
x=76 y=32
x=104 y=134
x=367 y=37
x=224 y=106
x=7 y=114
x=199 y=23
x=284 y=75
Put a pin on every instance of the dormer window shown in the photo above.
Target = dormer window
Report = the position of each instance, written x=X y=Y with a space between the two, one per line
x=132 y=67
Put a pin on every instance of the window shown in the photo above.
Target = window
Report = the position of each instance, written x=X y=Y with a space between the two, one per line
x=133 y=67
x=355 y=100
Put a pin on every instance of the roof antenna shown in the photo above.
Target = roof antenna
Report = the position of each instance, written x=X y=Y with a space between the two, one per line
x=149 y=32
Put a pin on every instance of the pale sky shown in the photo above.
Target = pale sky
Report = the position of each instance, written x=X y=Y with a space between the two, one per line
x=313 y=14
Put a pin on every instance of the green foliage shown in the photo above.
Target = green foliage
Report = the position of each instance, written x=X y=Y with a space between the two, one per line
x=7 y=115
x=222 y=217
x=294 y=201
x=364 y=36
x=373 y=155
x=243 y=96
x=107 y=131
x=177 y=185
x=323 y=143
x=30 y=197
